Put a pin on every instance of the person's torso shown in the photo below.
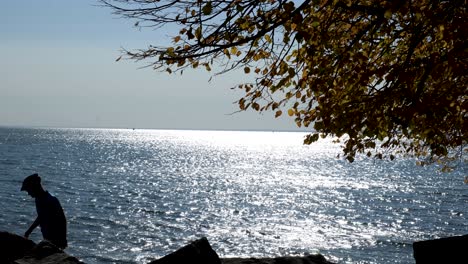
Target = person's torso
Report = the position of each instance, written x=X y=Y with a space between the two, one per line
x=51 y=217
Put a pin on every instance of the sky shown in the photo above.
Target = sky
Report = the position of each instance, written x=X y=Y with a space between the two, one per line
x=58 y=69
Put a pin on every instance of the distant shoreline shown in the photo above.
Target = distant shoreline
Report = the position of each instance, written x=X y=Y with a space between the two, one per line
x=161 y=129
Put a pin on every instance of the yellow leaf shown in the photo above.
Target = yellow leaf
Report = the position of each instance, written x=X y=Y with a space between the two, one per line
x=291 y=112
x=388 y=14
x=233 y=50
x=226 y=52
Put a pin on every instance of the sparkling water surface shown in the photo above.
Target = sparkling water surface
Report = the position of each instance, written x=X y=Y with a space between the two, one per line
x=131 y=196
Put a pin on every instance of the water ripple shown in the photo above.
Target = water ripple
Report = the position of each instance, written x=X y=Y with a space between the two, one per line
x=132 y=196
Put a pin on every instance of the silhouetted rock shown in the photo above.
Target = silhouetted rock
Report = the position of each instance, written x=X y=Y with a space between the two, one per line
x=16 y=249
x=310 y=259
x=47 y=253
x=13 y=247
x=200 y=252
x=197 y=252
x=451 y=250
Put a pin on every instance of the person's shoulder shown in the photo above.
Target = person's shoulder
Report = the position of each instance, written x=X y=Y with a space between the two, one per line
x=50 y=197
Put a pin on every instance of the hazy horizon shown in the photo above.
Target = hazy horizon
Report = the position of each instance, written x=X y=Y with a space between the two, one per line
x=161 y=128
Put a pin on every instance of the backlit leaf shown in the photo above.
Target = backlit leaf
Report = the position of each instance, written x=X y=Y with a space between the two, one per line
x=207 y=8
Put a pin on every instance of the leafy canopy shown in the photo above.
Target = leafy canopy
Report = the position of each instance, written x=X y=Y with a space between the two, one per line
x=386 y=77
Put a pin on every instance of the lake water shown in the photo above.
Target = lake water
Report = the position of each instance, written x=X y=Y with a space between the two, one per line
x=134 y=195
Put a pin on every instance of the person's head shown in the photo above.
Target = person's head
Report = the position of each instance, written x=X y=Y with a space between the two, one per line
x=32 y=184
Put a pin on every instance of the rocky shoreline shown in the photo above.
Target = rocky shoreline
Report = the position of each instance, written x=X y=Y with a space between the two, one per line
x=200 y=252
x=19 y=250
x=16 y=249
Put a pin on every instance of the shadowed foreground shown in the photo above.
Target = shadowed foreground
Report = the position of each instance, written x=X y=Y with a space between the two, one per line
x=200 y=251
x=16 y=249
x=19 y=250
x=311 y=259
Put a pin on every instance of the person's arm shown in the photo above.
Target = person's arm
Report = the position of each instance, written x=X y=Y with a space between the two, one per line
x=31 y=228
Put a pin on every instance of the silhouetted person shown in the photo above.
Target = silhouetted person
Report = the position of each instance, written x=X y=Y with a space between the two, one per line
x=50 y=216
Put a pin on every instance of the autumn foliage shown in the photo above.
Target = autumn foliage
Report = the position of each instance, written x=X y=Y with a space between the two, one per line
x=387 y=77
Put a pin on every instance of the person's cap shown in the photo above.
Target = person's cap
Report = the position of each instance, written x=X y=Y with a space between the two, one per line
x=30 y=181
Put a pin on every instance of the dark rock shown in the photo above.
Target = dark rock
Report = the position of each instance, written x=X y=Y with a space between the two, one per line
x=200 y=252
x=13 y=247
x=47 y=253
x=310 y=259
x=19 y=250
x=44 y=249
x=197 y=252
x=444 y=250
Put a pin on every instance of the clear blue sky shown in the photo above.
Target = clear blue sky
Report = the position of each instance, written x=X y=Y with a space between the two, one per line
x=58 y=69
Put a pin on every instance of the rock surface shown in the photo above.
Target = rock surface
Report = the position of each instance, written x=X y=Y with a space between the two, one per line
x=47 y=253
x=451 y=250
x=16 y=249
x=310 y=259
x=13 y=247
x=19 y=250
x=200 y=252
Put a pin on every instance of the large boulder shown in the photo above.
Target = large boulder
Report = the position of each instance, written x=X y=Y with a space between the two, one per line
x=13 y=247
x=47 y=253
x=310 y=259
x=16 y=249
x=451 y=250
x=197 y=252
